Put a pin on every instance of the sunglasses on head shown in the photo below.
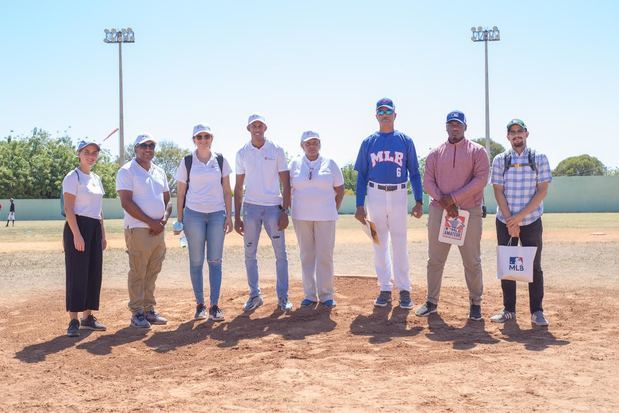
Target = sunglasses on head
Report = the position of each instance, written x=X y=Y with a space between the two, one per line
x=147 y=145
x=200 y=137
x=384 y=112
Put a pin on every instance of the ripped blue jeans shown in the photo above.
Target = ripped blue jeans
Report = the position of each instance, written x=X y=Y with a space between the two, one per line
x=254 y=217
x=205 y=228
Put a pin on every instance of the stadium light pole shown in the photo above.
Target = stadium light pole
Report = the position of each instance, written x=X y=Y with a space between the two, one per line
x=120 y=36
x=486 y=35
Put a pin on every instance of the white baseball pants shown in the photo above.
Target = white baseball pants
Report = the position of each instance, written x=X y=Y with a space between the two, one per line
x=389 y=211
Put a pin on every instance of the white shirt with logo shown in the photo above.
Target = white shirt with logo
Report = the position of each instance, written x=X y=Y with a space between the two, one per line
x=148 y=188
x=205 y=193
x=88 y=191
x=261 y=167
x=314 y=199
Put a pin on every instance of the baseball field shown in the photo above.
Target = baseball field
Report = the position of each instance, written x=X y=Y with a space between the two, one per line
x=354 y=357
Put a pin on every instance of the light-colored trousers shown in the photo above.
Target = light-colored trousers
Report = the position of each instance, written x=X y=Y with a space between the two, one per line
x=470 y=253
x=389 y=211
x=316 y=243
x=146 y=255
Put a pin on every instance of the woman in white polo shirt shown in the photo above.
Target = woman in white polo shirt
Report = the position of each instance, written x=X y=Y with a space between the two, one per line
x=84 y=239
x=317 y=188
x=204 y=205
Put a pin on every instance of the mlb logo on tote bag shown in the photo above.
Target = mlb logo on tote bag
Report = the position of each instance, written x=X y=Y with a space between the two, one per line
x=515 y=263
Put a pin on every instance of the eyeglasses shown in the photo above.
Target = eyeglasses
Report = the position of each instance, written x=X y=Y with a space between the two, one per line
x=384 y=112
x=147 y=145
x=200 y=137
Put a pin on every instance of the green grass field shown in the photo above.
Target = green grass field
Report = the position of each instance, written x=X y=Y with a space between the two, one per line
x=50 y=231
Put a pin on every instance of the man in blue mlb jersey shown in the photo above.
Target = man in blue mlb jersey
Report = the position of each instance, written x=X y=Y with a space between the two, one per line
x=385 y=162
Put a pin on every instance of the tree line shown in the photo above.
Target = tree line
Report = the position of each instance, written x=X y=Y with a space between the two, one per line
x=33 y=166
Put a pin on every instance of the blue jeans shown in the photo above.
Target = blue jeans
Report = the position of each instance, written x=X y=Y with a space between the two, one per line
x=254 y=216
x=201 y=228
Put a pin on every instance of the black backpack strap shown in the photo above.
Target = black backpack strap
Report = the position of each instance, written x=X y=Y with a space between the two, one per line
x=188 y=163
x=532 y=160
x=220 y=162
x=508 y=162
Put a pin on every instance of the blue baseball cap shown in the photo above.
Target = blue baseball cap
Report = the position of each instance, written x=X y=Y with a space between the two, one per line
x=457 y=116
x=385 y=103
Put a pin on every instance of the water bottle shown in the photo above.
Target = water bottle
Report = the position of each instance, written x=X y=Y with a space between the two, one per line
x=177 y=227
x=183 y=241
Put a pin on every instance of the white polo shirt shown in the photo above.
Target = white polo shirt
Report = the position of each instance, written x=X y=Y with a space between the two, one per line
x=88 y=191
x=205 y=192
x=148 y=188
x=261 y=167
x=314 y=199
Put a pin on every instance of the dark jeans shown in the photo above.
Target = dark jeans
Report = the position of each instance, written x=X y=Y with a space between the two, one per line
x=530 y=236
x=83 y=269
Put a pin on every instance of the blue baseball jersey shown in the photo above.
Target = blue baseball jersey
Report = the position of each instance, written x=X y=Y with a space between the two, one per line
x=387 y=158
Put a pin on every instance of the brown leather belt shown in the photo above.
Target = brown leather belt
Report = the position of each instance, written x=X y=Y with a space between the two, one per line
x=386 y=187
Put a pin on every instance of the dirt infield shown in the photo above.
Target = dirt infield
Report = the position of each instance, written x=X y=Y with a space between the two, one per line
x=354 y=357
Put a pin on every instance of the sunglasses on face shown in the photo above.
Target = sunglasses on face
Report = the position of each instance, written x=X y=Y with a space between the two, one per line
x=200 y=137
x=147 y=145
x=384 y=112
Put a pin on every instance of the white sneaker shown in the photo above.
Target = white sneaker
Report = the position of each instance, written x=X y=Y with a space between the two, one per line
x=503 y=317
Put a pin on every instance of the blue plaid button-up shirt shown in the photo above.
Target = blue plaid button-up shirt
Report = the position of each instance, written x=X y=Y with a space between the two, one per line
x=520 y=183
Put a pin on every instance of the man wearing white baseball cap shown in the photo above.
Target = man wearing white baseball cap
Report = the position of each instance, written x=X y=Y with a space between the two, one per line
x=260 y=168
x=145 y=197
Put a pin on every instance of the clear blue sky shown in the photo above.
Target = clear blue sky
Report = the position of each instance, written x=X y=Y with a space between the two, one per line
x=317 y=65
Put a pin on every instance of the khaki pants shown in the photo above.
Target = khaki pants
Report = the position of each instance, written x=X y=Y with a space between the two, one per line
x=316 y=242
x=470 y=253
x=146 y=255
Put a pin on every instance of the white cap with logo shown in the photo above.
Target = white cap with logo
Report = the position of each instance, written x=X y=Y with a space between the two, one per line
x=307 y=135
x=256 y=118
x=202 y=128
x=144 y=137
x=85 y=143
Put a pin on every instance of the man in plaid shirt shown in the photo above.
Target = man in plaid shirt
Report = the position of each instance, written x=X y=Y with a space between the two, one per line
x=520 y=178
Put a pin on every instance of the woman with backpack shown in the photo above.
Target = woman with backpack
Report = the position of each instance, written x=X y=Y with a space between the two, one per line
x=83 y=239
x=204 y=207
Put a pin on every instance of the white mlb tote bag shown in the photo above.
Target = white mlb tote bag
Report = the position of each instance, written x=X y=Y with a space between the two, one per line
x=515 y=262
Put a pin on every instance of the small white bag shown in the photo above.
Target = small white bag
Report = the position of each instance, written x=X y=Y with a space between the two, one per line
x=453 y=230
x=515 y=262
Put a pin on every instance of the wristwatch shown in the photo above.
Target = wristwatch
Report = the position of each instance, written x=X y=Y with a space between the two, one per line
x=284 y=210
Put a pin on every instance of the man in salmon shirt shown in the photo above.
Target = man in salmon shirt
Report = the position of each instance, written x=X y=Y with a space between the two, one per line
x=455 y=176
